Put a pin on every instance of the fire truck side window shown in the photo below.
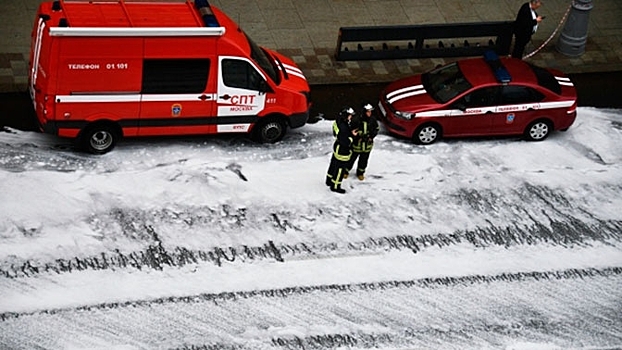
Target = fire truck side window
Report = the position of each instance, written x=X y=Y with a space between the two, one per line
x=171 y=76
x=240 y=74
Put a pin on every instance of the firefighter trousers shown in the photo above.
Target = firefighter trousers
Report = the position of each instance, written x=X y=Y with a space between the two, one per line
x=363 y=160
x=336 y=171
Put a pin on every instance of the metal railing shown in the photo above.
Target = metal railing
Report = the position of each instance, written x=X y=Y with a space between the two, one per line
x=423 y=41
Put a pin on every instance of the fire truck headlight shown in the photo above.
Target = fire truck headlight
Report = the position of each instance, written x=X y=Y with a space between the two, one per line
x=404 y=115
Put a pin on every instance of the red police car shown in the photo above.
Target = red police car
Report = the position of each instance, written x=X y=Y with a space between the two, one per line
x=480 y=97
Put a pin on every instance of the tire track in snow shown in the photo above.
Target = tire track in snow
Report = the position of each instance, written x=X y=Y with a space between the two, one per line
x=157 y=255
x=471 y=311
x=448 y=281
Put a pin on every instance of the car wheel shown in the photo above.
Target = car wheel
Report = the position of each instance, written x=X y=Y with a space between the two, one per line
x=538 y=130
x=99 y=139
x=270 y=130
x=427 y=134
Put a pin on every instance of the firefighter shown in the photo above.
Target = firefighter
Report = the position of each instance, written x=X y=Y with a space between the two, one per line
x=342 y=149
x=364 y=141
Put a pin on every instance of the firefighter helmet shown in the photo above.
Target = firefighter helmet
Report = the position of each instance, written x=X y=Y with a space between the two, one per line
x=346 y=111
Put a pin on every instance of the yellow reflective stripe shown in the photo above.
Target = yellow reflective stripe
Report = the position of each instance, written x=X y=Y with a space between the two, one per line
x=341 y=157
x=339 y=176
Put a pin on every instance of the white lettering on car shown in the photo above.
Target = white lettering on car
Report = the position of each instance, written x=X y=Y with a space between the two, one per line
x=86 y=66
x=117 y=65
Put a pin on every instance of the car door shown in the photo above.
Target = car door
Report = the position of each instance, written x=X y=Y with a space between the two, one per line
x=241 y=94
x=472 y=114
x=518 y=106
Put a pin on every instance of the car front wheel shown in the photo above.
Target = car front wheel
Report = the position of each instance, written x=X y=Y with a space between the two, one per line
x=427 y=134
x=538 y=130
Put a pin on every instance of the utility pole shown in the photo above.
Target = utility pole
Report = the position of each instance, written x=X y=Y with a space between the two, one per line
x=574 y=36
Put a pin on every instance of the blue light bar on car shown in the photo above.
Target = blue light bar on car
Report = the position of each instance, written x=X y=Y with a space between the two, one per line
x=498 y=69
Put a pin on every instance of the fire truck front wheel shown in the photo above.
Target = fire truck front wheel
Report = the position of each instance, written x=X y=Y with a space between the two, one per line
x=98 y=138
x=269 y=130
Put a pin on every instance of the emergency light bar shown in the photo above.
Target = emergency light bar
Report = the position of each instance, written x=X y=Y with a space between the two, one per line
x=128 y=32
x=206 y=13
x=498 y=69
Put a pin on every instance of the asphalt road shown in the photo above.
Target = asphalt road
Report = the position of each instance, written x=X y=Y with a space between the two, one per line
x=600 y=90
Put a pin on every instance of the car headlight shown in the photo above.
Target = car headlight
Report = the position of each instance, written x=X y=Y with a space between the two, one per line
x=404 y=115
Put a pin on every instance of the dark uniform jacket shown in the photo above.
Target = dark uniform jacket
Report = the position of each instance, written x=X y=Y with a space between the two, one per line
x=343 y=139
x=368 y=129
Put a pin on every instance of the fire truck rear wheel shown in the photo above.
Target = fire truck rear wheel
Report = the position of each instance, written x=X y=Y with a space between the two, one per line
x=270 y=130
x=99 y=139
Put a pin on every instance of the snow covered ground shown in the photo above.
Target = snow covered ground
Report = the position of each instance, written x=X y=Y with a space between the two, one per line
x=220 y=243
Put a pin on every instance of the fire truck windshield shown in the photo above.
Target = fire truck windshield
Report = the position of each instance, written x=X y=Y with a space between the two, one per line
x=266 y=63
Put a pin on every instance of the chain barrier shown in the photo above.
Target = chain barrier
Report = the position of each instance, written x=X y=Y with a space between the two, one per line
x=552 y=35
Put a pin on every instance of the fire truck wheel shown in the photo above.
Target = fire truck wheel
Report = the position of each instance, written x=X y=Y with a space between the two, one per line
x=269 y=130
x=538 y=130
x=98 y=139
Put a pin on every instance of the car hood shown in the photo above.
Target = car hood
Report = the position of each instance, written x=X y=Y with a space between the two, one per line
x=409 y=95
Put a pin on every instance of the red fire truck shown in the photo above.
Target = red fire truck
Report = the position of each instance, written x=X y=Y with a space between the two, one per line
x=102 y=70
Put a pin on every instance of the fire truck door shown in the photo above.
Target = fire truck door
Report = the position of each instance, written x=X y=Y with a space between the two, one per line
x=241 y=94
x=174 y=98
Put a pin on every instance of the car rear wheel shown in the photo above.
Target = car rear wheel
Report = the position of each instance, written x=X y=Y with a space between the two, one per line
x=538 y=130
x=98 y=139
x=269 y=130
x=427 y=134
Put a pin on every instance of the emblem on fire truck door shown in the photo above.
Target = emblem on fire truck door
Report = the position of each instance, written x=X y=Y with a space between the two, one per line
x=176 y=110
x=509 y=119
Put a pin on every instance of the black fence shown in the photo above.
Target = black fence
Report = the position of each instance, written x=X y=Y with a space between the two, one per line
x=423 y=41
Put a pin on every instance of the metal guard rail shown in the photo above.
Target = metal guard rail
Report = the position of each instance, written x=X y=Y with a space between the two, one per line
x=499 y=35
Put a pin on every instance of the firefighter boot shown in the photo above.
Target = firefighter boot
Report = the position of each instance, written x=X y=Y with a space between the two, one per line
x=361 y=177
x=338 y=190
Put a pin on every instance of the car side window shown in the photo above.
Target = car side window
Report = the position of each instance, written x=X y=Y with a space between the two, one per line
x=483 y=97
x=513 y=94
x=240 y=74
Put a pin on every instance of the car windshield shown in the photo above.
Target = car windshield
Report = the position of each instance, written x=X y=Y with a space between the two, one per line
x=263 y=60
x=445 y=83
